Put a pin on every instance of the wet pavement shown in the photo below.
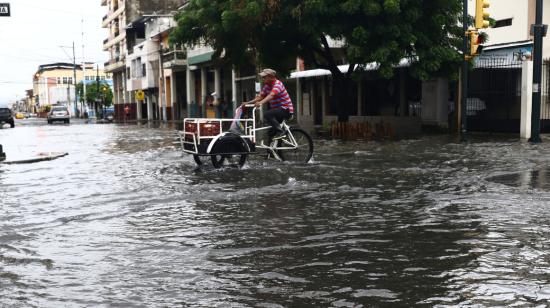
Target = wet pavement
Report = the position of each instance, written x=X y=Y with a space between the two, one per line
x=126 y=220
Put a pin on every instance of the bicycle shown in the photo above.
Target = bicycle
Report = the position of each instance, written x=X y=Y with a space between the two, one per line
x=203 y=137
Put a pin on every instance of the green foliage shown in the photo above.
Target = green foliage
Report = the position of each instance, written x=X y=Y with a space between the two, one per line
x=274 y=32
x=105 y=94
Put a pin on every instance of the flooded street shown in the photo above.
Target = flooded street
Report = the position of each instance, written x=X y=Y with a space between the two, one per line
x=126 y=220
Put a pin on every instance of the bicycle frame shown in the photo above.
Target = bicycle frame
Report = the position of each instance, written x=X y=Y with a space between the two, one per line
x=250 y=132
x=289 y=140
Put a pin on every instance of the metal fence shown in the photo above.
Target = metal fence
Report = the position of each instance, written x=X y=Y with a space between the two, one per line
x=494 y=96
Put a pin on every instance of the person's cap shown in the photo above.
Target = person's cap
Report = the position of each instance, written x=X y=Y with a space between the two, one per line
x=268 y=72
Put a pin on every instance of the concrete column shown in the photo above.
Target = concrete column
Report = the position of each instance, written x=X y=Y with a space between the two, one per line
x=324 y=98
x=233 y=89
x=162 y=98
x=359 y=97
x=526 y=99
x=125 y=97
x=191 y=103
x=138 y=107
x=150 y=111
x=435 y=96
x=298 y=103
x=204 y=92
x=403 y=108
x=218 y=90
x=176 y=114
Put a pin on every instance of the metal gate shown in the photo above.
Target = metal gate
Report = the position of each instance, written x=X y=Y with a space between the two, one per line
x=545 y=100
x=494 y=96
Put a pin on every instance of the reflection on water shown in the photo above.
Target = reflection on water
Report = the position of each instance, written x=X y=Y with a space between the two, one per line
x=539 y=179
x=126 y=220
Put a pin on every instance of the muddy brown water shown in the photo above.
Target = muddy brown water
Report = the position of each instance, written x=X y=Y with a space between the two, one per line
x=126 y=220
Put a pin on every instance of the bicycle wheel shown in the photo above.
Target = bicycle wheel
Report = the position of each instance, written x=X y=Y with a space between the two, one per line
x=304 y=150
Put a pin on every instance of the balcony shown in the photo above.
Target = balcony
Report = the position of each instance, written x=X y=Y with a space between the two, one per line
x=116 y=40
x=112 y=15
x=174 y=58
x=114 y=65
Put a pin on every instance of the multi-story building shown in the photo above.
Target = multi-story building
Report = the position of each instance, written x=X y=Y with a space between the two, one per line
x=54 y=84
x=125 y=21
x=511 y=35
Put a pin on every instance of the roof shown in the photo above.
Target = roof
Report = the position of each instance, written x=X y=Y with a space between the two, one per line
x=507 y=45
x=58 y=65
x=343 y=68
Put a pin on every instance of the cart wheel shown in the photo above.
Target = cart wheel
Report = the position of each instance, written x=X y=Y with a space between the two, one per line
x=197 y=159
x=229 y=143
x=217 y=160
x=303 y=152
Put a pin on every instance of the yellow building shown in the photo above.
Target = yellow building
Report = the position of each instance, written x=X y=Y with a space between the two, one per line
x=54 y=83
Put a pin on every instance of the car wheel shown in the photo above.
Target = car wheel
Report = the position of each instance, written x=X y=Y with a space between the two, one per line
x=12 y=124
x=49 y=122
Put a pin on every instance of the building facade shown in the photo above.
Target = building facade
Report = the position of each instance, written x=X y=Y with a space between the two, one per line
x=54 y=84
x=125 y=21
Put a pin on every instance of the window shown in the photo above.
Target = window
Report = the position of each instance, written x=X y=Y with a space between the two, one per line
x=503 y=23
x=64 y=80
x=102 y=77
x=143 y=70
x=58 y=80
x=70 y=80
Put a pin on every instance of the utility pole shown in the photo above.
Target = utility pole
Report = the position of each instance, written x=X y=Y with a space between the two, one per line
x=464 y=75
x=162 y=83
x=97 y=90
x=83 y=99
x=74 y=81
x=539 y=30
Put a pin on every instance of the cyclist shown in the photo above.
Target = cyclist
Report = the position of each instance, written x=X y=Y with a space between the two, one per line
x=280 y=104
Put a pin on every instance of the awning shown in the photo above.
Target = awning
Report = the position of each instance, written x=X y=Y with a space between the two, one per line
x=205 y=57
x=343 y=68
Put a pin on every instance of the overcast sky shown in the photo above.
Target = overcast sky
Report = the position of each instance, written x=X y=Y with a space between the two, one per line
x=34 y=33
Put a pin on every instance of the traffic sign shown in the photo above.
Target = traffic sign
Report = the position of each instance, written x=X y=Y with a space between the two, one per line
x=140 y=95
x=4 y=10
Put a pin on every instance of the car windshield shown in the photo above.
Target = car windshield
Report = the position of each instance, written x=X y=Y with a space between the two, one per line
x=59 y=109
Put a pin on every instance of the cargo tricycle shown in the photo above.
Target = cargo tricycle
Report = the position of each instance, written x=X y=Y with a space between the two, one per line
x=231 y=141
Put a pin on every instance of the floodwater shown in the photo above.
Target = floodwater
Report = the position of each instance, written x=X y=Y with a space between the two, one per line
x=126 y=220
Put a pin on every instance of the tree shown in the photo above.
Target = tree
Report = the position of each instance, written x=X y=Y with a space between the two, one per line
x=105 y=94
x=101 y=96
x=274 y=32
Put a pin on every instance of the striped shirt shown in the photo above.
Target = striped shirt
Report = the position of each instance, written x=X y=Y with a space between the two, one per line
x=281 y=99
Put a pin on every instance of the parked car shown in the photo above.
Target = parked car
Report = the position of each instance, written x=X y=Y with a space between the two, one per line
x=6 y=116
x=59 y=113
x=20 y=116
